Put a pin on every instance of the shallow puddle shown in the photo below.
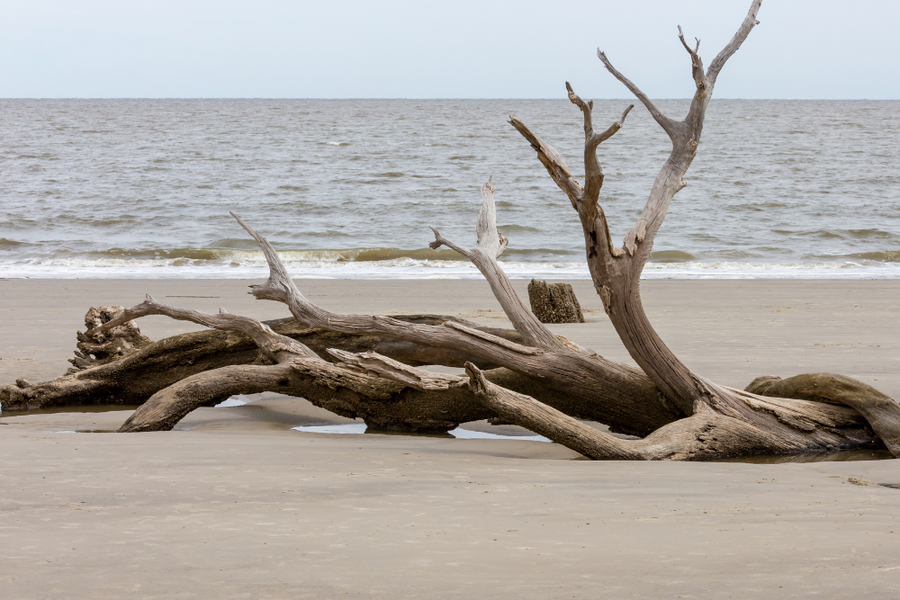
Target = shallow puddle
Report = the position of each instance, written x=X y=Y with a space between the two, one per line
x=459 y=433
x=239 y=400
x=87 y=431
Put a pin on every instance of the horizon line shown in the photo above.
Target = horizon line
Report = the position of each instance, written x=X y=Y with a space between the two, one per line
x=378 y=98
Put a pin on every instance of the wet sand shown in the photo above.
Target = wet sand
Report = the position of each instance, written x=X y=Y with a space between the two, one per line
x=235 y=504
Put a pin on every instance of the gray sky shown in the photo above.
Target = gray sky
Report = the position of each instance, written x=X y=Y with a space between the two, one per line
x=458 y=49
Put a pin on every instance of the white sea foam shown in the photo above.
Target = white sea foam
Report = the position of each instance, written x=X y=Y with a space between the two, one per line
x=406 y=268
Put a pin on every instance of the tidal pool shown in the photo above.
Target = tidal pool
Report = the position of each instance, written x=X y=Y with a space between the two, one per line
x=459 y=433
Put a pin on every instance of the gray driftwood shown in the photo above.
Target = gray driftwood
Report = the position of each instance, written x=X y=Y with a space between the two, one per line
x=543 y=381
x=554 y=302
x=123 y=372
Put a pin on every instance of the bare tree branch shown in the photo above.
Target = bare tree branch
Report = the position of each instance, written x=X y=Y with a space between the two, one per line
x=696 y=63
x=704 y=436
x=598 y=240
x=743 y=31
x=593 y=172
x=281 y=288
x=492 y=243
x=274 y=345
x=554 y=162
x=598 y=138
x=669 y=125
x=538 y=417
x=490 y=240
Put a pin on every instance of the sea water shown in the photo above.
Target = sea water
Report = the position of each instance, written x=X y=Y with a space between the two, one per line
x=349 y=188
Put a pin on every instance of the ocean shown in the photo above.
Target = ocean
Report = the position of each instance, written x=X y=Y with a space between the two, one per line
x=349 y=188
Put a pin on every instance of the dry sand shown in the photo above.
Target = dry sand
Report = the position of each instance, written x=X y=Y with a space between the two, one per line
x=234 y=504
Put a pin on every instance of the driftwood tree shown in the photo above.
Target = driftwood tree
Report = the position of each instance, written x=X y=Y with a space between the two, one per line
x=368 y=366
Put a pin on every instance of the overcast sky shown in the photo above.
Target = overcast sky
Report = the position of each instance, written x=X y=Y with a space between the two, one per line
x=457 y=49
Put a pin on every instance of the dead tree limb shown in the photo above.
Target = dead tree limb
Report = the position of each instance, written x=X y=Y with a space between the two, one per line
x=596 y=388
x=677 y=414
x=616 y=274
x=129 y=373
x=298 y=370
x=491 y=244
x=704 y=436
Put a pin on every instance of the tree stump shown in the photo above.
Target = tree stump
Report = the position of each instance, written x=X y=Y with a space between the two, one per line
x=554 y=302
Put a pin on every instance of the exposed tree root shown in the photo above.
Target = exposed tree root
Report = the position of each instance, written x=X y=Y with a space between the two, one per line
x=881 y=411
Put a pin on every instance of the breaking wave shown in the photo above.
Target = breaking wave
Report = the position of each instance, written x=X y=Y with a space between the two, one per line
x=387 y=263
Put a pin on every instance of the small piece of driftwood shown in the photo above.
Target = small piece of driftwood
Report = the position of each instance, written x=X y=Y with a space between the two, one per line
x=554 y=302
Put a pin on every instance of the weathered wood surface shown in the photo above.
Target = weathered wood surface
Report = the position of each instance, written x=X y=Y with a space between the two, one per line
x=554 y=302
x=135 y=373
x=545 y=382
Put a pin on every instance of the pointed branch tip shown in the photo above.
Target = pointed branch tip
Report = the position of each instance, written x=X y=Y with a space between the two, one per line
x=246 y=227
x=438 y=240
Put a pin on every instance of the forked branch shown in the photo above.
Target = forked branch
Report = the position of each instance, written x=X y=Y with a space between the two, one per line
x=281 y=288
x=617 y=278
x=491 y=244
x=274 y=345
x=669 y=125
x=598 y=239
x=743 y=31
x=685 y=136
x=554 y=163
x=696 y=62
x=593 y=174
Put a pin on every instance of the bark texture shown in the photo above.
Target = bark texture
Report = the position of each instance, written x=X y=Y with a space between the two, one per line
x=128 y=373
x=554 y=302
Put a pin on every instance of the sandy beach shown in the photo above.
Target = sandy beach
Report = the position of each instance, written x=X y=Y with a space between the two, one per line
x=236 y=504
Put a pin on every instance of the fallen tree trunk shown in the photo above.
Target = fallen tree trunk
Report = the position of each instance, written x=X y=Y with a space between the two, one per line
x=410 y=400
x=545 y=383
x=201 y=360
x=131 y=377
x=734 y=422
